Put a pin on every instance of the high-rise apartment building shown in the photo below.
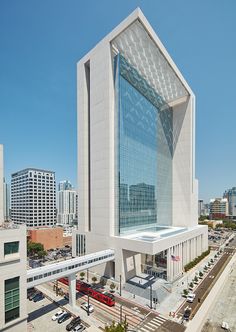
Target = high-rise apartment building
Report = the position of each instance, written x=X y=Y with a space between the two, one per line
x=33 y=197
x=66 y=204
x=13 y=306
x=230 y=194
x=136 y=152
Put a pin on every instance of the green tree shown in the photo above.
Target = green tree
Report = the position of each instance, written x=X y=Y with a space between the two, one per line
x=42 y=253
x=82 y=274
x=103 y=282
x=185 y=292
x=94 y=279
x=195 y=279
x=119 y=327
x=33 y=248
x=112 y=286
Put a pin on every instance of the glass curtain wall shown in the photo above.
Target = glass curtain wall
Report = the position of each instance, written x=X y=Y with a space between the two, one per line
x=144 y=152
x=12 y=299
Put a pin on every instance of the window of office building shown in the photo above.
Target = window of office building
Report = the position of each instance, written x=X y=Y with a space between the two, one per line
x=144 y=152
x=12 y=299
x=11 y=247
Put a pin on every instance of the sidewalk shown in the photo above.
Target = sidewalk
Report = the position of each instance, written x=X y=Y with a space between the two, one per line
x=175 y=298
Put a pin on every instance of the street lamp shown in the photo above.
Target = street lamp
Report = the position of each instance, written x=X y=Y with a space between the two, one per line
x=121 y=306
x=88 y=305
x=150 y=296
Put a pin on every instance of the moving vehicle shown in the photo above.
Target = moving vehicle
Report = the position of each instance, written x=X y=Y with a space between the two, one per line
x=191 y=297
x=73 y=323
x=101 y=296
x=87 y=307
x=64 y=317
x=58 y=314
x=38 y=297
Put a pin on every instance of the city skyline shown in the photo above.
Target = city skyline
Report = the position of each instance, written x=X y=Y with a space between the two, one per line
x=38 y=81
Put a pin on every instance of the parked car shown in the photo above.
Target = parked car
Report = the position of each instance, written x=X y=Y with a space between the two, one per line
x=38 y=297
x=87 y=308
x=73 y=323
x=79 y=328
x=33 y=294
x=187 y=313
x=64 y=317
x=191 y=297
x=58 y=314
x=30 y=292
x=225 y=326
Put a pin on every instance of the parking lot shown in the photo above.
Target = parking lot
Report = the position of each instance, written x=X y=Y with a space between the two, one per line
x=40 y=317
x=217 y=237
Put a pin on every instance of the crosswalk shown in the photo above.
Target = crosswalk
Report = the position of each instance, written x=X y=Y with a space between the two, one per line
x=152 y=325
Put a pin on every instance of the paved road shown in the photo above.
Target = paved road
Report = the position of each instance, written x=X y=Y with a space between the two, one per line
x=207 y=283
x=139 y=318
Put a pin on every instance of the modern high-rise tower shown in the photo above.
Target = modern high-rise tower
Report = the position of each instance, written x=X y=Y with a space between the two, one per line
x=136 y=155
x=67 y=201
x=33 y=197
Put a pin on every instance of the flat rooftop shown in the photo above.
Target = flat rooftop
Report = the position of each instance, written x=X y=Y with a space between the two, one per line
x=156 y=233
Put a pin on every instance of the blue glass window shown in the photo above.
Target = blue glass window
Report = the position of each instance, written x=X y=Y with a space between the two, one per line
x=144 y=152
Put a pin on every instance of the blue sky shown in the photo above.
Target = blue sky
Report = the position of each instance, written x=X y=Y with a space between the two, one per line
x=41 y=41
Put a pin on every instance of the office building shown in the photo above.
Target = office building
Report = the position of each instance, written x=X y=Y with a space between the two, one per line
x=136 y=156
x=13 y=306
x=33 y=197
x=219 y=208
x=6 y=200
x=203 y=209
x=66 y=204
x=230 y=194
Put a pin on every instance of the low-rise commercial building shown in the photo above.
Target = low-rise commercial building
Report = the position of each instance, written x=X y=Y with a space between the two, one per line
x=49 y=237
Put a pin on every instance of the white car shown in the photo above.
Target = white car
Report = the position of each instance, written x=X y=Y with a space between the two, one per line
x=225 y=326
x=58 y=314
x=191 y=297
x=84 y=306
x=79 y=328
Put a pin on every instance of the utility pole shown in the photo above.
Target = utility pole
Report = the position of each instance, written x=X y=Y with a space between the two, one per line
x=120 y=284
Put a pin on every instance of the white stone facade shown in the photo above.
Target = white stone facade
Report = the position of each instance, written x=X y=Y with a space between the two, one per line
x=66 y=207
x=97 y=151
x=12 y=265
